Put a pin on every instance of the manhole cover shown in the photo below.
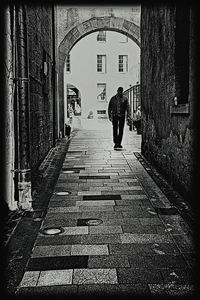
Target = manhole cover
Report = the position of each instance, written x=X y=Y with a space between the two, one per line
x=63 y=193
x=94 y=222
x=52 y=230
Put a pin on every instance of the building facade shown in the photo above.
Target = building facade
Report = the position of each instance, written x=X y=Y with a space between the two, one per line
x=97 y=65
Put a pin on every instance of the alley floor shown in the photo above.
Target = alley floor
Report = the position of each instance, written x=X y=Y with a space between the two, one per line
x=109 y=228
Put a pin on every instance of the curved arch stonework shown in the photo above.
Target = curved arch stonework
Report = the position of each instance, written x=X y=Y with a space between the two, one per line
x=78 y=32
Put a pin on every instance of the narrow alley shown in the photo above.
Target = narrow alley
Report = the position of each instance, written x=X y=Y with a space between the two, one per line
x=109 y=229
x=87 y=209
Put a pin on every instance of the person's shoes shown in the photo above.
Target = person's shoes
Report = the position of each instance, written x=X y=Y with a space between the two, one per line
x=115 y=146
x=120 y=146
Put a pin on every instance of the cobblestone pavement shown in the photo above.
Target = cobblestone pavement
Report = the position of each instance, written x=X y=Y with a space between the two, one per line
x=112 y=230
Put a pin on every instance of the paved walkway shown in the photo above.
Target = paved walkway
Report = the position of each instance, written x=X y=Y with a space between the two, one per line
x=115 y=230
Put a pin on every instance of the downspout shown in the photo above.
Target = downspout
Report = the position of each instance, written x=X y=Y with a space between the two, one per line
x=54 y=76
x=22 y=81
x=9 y=111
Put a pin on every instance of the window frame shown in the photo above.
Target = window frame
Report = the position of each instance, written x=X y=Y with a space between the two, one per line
x=126 y=39
x=122 y=65
x=101 y=36
x=104 y=86
x=101 y=67
x=68 y=63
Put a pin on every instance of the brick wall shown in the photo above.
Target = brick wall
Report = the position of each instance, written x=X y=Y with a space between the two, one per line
x=39 y=27
x=167 y=136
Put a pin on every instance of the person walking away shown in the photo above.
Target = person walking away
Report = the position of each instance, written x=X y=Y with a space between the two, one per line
x=118 y=109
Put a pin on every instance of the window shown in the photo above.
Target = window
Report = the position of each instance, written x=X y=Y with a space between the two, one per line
x=123 y=63
x=182 y=54
x=101 y=112
x=101 y=36
x=123 y=39
x=101 y=63
x=68 y=69
x=101 y=91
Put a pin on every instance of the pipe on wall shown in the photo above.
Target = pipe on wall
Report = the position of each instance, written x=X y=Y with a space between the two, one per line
x=22 y=82
x=54 y=75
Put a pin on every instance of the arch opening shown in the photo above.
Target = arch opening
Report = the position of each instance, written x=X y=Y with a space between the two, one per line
x=110 y=24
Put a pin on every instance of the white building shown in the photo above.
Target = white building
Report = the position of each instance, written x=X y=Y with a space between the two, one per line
x=96 y=66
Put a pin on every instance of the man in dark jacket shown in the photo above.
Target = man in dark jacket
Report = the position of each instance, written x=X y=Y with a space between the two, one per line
x=118 y=108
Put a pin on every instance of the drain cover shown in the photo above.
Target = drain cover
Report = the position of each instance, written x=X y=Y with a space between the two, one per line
x=52 y=230
x=94 y=222
x=63 y=193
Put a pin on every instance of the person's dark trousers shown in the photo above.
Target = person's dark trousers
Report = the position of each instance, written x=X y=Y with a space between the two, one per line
x=138 y=126
x=118 y=128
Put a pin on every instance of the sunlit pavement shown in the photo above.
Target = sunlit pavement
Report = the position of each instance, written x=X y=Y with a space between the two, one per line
x=111 y=228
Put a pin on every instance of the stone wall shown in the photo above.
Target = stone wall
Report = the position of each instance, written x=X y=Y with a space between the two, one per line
x=167 y=136
x=71 y=17
x=39 y=27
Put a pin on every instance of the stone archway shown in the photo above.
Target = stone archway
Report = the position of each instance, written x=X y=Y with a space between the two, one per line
x=78 y=32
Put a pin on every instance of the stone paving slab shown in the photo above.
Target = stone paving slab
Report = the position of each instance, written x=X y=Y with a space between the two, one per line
x=140 y=275
x=157 y=261
x=142 y=244
x=130 y=203
x=128 y=238
x=100 y=239
x=58 y=240
x=96 y=208
x=51 y=250
x=133 y=248
x=134 y=208
x=110 y=261
x=139 y=196
x=30 y=279
x=95 y=276
x=98 y=184
x=82 y=208
x=105 y=229
x=48 y=291
x=57 y=263
x=104 y=188
x=95 y=203
x=113 y=289
x=159 y=229
x=172 y=289
x=120 y=221
x=61 y=203
x=55 y=277
x=89 y=250
x=75 y=230
x=55 y=222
